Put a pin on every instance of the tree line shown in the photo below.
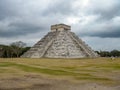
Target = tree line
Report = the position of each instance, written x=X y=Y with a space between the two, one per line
x=113 y=53
x=16 y=49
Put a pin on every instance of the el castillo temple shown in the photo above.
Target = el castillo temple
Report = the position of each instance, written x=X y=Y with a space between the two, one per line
x=60 y=42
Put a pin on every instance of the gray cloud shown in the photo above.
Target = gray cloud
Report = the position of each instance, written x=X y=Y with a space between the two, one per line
x=98 y=43
x=60 y=7
x=23 y=18
x=104 y=34
x=106 y=29
x=108 y=9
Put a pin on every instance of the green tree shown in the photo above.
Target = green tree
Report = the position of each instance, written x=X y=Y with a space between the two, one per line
x=115 y=53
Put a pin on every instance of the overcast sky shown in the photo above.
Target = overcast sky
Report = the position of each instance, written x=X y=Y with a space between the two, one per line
x=97 y=22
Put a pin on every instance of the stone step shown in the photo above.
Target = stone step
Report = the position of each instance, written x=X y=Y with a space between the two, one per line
x=86 y=47
x=40 y=45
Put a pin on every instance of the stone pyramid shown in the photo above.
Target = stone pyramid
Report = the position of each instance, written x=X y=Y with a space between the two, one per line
x=60 y=42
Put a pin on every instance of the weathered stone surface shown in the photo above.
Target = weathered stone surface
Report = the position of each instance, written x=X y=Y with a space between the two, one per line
x=61 y=43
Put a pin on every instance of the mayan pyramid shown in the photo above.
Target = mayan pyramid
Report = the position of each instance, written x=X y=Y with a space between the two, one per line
x=60 y=42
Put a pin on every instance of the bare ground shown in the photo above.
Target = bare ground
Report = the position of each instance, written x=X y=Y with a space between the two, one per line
x=36 y=82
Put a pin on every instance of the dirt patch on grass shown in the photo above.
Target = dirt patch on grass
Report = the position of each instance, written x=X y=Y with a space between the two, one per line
x=36 y=82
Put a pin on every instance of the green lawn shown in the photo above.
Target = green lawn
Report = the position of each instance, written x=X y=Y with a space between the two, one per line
x=100 y=70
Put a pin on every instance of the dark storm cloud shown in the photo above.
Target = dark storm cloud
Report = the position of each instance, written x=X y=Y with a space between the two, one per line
x=14 y=19
x=110 y=11
x=114 y=34
x=9 y=8
x=20 y=30
x=104 y=34
x=31 y=19
x=37 y=16
x=110 y=29
x=28 y=23
x=107 y=23
x=107 y=9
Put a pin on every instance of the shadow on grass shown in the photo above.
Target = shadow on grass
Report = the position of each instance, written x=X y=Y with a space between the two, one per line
x=35 y=69
x=76 y=75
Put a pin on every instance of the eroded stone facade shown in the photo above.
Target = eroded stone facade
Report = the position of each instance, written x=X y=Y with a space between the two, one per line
x=60 y=42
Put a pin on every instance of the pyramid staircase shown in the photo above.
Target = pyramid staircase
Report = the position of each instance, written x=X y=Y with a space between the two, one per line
x=41 y=46
x=84 y=47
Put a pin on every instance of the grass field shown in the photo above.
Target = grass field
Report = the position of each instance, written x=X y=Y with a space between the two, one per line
x=103 y=71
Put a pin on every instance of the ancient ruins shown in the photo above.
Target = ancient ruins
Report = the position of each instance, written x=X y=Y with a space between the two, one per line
x=60 y=42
